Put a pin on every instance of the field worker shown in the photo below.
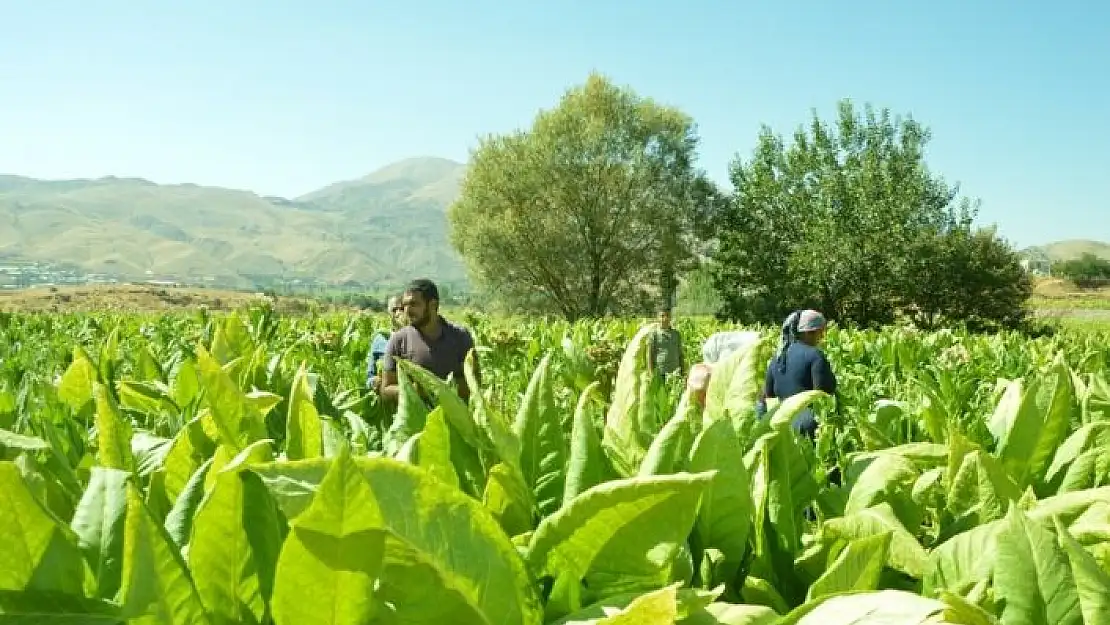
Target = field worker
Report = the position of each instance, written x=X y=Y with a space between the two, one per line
x=429 y=340
x=665 y=356
x=378 y=343
x=799 y=366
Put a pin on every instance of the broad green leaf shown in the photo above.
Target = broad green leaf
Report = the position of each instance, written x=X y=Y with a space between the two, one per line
x=443 y=548
x=1088 y=436
x=883 y=606
x=19 y=442
x=188 y=450
x=434 y=449
x=38 y=553
x=52 y=608
x=1058 y=408
x=858 y=567
x=455 y=409
x=889 y=478
x=155 y=583
x=538 y=427
x=303 y=435
x=733 y=614
x=736 y=382
x=1092 y=582
x=1090 y=470
x=76 y=385
x=410 y=416
x=654 y=608
x=960 y=562
x=1027 y=433
x=622 y=438
x=336 y=547
x=1032 y=575
x=785 y=413
x=507 y=497
x=238 y=422
x=186 y=385
x=497 y=429
x=152 y=398
x=179 y=520
x=790 y=486
x=236 y=537
x=725 y=518
x=981 y=487
x=262 y=401
x=905 y=554
x=98 y=523
x=113 y=432
x=691 y=606
x=586 y=465
x=621 y=535
x=669 y=449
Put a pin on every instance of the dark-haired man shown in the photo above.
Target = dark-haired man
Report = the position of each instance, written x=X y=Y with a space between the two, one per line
x=429 y=341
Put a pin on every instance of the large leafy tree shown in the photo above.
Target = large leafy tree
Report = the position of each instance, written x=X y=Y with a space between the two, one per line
x=829 y=221
x=1087 y=271
x=595 y=209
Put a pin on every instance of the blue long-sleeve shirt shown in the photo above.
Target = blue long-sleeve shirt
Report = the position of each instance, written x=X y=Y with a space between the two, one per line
x=377 y=350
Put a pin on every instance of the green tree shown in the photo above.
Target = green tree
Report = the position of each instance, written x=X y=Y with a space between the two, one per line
x=965 y=275
x=827 y=221
x=593 y=210
x=1087 y=271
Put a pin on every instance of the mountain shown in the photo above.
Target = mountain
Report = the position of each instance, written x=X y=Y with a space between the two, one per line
x=1042 y=256
x=1070 y=250
x=386 y=227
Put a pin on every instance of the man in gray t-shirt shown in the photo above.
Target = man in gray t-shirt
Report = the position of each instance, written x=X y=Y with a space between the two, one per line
x=429 y=341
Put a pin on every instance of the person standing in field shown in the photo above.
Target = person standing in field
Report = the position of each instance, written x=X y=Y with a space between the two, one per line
x=429 y=340
x=665 y=355
x=799 y=366
x=378 y=343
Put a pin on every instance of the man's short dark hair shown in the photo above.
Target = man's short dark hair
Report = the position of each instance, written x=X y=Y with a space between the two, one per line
x=425 y=287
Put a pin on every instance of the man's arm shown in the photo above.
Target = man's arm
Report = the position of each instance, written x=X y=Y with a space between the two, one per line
x=389 y=388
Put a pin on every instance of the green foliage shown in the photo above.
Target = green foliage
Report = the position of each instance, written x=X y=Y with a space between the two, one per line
x=831 y=220
x=1087 y=271
x=590 y=211
x=965 y=276
x=200 y=469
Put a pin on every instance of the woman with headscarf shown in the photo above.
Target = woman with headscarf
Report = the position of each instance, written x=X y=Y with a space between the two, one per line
x=799 y=366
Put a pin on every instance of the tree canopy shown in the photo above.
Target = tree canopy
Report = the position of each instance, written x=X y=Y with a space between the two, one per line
x=1087 y=271
x=595 y=209
x=848 y=219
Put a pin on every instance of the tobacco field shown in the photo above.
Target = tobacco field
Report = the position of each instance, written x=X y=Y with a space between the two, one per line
x=211 y=469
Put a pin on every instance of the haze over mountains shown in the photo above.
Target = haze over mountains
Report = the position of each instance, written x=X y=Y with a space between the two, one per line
x=384 y=228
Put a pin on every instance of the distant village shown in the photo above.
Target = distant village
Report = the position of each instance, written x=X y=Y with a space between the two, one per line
x=16 y=275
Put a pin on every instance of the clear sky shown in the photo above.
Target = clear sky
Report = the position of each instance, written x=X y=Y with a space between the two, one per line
x=282 y=97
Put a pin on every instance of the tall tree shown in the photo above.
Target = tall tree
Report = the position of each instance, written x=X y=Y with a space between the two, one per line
x=591 y=211
x=828 y=221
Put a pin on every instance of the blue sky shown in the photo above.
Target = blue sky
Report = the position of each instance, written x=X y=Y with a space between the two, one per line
x=282 y=97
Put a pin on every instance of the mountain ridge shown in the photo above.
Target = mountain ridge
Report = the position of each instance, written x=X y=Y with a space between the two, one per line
x=383 y=228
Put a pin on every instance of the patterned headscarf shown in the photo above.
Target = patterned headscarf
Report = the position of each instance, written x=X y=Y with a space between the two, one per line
x=795 y=322
x=789 y=335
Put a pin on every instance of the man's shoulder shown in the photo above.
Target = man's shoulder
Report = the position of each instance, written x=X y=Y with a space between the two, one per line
x=458 y=330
